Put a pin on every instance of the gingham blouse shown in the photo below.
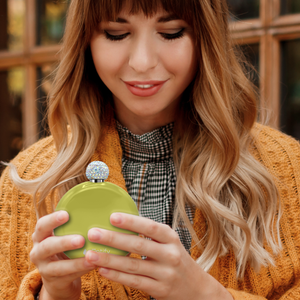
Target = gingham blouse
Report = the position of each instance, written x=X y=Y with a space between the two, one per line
x=149 y=173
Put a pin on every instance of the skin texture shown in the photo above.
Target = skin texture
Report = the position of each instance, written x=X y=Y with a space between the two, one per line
x=144 y=54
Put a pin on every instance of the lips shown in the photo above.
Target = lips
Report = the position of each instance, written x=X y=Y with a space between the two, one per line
x=155 y=86
x=147 y=82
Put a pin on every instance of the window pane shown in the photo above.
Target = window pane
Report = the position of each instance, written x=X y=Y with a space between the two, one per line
x=290 y=7
x=11 y=98
x=290 y=87
x=44 y=85
x=241 y=9
x=251 y=53
x=12 y=17
x=50 y=21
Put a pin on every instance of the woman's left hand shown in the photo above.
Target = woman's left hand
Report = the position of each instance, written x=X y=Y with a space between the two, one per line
x=169 y=272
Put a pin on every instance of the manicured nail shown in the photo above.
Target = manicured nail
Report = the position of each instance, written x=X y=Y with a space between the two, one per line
x=103 y=271
x=92 y=256
x=88 y=264
x=76 y=241
x=95 y=235
x=116 y=218
x=61 y=216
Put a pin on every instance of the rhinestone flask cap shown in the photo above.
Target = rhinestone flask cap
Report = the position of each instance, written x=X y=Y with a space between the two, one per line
x=97 y=170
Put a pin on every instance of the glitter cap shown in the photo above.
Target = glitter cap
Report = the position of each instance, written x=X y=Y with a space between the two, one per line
x=97 y=171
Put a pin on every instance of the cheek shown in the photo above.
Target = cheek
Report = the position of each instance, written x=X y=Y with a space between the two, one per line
x=184 y=56
x=108 y=60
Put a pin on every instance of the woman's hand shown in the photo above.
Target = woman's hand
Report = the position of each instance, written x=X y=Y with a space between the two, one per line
x=60 y=275
x=168 y=272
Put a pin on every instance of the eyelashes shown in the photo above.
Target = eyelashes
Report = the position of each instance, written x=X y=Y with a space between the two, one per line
x=166 y=36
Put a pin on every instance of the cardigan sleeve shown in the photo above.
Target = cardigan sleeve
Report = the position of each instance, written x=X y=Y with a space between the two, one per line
x=280 y=154
x=292 y=294
x=283 y=158
x=17 y=223
x=19 y=278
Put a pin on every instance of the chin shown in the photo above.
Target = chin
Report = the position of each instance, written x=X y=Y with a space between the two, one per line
x=145 y=114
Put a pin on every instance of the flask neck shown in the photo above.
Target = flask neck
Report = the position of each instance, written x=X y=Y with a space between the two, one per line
x=97 y=180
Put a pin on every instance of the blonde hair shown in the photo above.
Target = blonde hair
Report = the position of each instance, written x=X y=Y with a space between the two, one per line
x=215 y=170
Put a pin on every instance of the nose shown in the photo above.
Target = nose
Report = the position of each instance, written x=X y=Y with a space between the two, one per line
x=143 y=54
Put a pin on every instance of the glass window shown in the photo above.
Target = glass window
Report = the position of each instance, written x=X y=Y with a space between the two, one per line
x=50 y=21
x=289 y=7
x=12 y=18
x=11 y=99
x=290 y=88
x=251 y=52
x=241 y=9
x=44 y=82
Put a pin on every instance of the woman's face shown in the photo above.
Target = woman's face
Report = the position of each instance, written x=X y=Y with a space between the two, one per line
x=146 y=63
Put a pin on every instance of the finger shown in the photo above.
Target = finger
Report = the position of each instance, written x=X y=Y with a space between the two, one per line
x=161 y=233
x=126 y=242
x=145 y=284
x=45 y=225
x=55 y=245
x=61 y=268
x=125 y=264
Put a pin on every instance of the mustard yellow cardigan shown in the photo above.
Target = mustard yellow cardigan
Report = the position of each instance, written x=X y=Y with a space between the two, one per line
x=19 y=278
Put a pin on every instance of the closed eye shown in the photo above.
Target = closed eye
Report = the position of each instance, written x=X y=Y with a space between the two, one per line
x=166 y=36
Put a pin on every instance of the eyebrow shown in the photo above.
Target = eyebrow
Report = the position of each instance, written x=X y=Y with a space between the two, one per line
x=163 y=19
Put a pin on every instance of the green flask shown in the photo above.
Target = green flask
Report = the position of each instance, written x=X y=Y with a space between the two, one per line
x=90 y=205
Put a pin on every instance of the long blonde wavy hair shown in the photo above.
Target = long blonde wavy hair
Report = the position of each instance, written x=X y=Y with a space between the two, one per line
x=215 y=170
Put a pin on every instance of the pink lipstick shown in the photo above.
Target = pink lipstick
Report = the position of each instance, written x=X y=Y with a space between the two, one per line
x=144 y=88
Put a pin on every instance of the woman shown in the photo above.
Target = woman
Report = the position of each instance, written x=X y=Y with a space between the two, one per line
x=154 y=89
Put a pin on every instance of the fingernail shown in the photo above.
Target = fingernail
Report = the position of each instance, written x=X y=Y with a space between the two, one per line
x=92 y=256
x=103 y=271
x=95 y=235
x=61 y=216
x=76 y=241
x=88 y=264
x=116 y=218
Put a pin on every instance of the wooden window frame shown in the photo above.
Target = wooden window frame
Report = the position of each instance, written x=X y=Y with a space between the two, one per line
x=269 y=30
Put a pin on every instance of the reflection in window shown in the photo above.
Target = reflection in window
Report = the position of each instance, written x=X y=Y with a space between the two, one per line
x=290 y=88
x=50 y=21
x=289 y=7
x=11 y=98
x=44 y=82
x=241 y=9
x=12 y=20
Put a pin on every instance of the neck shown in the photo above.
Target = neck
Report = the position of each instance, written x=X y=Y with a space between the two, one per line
x=140 y=127
x=143 y=123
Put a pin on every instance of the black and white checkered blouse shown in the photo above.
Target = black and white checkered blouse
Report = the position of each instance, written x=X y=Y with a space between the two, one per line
x=149 y=172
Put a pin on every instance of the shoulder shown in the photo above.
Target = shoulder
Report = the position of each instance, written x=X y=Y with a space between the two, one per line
x=274 y=146
x=280 y=154
x=273 y=136
x=36 y=159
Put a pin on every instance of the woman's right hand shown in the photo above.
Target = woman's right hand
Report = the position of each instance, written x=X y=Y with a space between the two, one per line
x=60 y=275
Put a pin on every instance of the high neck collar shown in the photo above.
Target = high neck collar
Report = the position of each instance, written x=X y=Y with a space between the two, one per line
x=149 y=147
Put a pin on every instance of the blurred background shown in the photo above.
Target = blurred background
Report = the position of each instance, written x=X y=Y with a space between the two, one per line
x=267 y=31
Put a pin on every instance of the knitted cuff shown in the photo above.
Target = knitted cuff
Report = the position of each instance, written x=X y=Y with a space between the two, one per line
x=30 y=286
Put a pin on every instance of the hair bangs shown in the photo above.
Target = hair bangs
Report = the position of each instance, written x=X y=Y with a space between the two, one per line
x=108 y=10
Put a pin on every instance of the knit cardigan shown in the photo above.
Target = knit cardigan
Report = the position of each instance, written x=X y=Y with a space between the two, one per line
x=19 y=278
